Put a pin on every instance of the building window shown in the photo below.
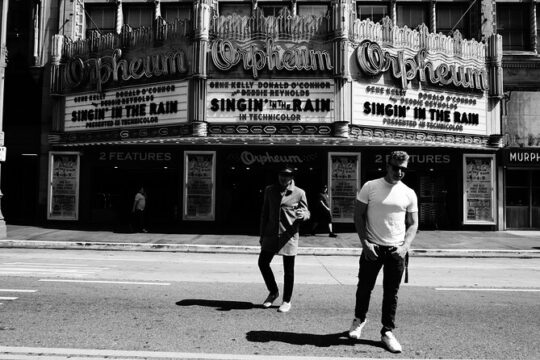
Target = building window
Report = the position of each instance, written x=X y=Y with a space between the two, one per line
x=412 y=14
x=242 y=9
x=513 y=25
x=272 y=9
x=138 y=16
x=312 y=10
x=171 y=12
x=448 y=15
x=100 y=18
x=374 y=12
x=538 y=28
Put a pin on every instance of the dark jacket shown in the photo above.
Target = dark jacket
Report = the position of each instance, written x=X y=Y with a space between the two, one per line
x=279 y=225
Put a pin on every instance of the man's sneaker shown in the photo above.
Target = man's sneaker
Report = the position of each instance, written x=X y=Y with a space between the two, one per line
x=285 y=307
x=270 y=299
x=356 y=328
x=391 y=342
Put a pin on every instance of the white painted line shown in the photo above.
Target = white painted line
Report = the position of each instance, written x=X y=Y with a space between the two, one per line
x=104 y=282
x=17 y=290
x=86 y=271
x=8 y=298
x=46 y=264
x=94 y=354
x=488 y=289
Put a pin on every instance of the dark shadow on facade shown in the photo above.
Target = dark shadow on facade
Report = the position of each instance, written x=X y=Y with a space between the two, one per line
x=327 y=340
x=220 y=305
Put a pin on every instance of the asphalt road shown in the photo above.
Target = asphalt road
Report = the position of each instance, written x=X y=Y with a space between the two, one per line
x=207 y=306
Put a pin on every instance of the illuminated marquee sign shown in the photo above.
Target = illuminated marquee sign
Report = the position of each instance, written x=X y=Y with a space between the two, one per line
x=97 y=72
x=373 y=60
x=150 y=105
x=257 y=55
x=381 y=105
x=270 y=101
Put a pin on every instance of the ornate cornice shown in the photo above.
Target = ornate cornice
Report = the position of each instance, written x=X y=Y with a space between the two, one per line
x=416 y=138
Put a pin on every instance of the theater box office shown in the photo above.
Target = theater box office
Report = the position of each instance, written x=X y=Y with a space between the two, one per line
x=234 y=105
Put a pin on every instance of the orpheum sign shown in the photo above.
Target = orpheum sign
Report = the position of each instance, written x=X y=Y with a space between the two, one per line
x=256 y=56
x=418 y=90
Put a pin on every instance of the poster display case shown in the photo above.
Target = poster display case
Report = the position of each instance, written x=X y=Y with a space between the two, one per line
x=343 y=184
x=479 y=189
x=199 y=185
x=63 y=189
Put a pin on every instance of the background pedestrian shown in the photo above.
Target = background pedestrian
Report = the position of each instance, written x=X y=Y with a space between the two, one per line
x=138 y=210
x=323 y=213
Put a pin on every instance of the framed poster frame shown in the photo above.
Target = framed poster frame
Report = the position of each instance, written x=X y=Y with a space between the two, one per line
x=190 y=205
x=343 y=214
x=69 y=175
x=481 y=183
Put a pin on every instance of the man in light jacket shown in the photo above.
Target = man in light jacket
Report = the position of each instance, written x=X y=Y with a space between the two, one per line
x=284 y=207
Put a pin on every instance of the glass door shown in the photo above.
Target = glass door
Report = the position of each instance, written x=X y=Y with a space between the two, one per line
x=522 y=196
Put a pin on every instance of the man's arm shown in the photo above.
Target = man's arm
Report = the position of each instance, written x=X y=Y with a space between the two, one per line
x=411 y=221
x=360 y=219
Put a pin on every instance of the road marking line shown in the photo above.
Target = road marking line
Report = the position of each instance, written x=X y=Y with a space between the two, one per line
x=8 y=298
x=86 y=271
x=17 y=290
x=45 y=264
x=488 y=289
x=104 y=282
x=8 y=352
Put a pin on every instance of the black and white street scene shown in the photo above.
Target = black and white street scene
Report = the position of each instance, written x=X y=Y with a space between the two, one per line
x=269 y=180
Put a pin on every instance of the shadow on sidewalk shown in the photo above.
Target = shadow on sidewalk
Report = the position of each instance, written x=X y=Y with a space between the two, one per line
x=309 y=339
x=220 y=305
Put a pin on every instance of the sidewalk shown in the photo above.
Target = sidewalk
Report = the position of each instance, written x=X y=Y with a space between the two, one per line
x=427 y=243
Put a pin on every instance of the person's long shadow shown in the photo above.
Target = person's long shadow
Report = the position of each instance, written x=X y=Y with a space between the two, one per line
x=220 y=305
x=309 y=339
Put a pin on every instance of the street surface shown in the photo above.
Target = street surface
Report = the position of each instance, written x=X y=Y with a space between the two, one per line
x=135 y=305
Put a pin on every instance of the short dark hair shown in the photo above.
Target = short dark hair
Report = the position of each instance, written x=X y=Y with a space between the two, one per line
x=398 y=155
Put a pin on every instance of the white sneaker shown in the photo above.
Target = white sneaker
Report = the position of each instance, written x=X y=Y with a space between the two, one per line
x=285 y=307
x=355 y=331
x=270 y=299
x=391 y=342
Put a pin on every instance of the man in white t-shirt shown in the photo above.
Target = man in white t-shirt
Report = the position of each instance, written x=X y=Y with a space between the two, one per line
x=386 y=219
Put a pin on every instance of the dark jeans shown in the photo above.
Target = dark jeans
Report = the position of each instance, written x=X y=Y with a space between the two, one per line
x=265 y=257
x=138 y=220
x=393 y=267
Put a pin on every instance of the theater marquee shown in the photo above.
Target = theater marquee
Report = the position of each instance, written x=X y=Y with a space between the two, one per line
x=141 y=106
x=389 y=106
x=270 y=101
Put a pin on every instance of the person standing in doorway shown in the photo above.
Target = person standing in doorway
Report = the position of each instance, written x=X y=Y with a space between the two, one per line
x=386 y=219
x=139 y=205
x=284 y=208
x=323 y=213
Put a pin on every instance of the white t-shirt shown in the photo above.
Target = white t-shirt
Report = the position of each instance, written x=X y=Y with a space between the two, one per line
x=387 y=207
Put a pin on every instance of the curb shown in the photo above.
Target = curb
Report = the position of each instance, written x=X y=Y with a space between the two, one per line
x=236 y=249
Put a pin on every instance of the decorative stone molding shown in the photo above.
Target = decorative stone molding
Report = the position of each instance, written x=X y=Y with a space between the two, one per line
x=270 y=129
x=388 y=136
x=286 y=26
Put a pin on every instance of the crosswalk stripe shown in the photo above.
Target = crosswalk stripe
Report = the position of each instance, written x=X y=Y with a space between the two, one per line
x=8 y=298
x=489 y=289
x=8 y=352
x=17 y=290
x=106 y=282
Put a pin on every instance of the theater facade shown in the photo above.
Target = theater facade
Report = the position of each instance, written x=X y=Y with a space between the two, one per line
x=202 y=112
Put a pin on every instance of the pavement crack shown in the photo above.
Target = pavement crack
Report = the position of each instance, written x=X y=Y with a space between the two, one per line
x=328 y=271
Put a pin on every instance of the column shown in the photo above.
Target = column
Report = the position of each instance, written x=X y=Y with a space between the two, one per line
x=3 y=64
x=202 y=13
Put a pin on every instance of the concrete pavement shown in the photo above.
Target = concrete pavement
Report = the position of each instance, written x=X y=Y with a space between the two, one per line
x=427 y=243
